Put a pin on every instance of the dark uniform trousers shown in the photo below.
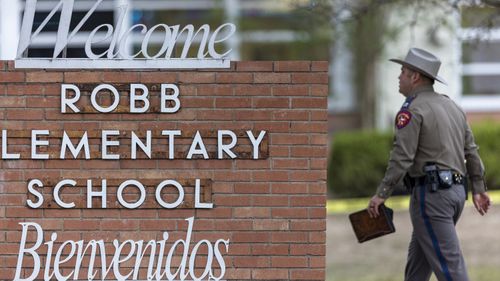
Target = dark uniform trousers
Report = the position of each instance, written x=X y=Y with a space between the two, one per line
x=434 y=245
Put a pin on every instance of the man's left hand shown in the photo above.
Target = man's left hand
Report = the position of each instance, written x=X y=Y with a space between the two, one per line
x=375 y=202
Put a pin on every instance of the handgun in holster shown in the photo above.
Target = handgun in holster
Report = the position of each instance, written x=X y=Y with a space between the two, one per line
x=409 y=183
x=431 y=176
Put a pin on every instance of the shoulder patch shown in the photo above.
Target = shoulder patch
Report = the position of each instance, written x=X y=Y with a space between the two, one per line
x=403 y=118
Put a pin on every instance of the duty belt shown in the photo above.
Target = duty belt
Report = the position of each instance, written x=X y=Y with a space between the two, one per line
x=456 y=178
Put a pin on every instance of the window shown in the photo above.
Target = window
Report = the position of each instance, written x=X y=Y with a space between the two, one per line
x=480 y=34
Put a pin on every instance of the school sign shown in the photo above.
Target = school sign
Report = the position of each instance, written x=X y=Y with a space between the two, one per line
x=162 y=168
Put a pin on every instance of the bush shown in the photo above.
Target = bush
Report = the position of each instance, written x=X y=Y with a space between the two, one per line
x=358 y=163
x=487 y=136
x=358 y=160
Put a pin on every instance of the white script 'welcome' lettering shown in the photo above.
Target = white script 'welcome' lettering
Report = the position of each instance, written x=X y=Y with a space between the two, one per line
x=116 y=54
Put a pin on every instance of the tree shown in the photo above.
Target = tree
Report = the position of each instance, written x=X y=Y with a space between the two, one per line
x=368 y=32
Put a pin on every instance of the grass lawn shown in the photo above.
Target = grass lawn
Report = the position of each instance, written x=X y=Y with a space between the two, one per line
x=384 y=259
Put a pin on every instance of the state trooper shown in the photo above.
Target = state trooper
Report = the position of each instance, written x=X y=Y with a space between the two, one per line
x=433 y=154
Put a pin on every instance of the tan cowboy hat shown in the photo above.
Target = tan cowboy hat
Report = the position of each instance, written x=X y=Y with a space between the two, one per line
x=423 y=62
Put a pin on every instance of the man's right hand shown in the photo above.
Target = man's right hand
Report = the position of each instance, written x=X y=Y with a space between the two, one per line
x=482 y=202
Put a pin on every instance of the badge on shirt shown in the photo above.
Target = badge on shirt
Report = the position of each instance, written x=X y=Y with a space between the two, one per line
x=402 y=119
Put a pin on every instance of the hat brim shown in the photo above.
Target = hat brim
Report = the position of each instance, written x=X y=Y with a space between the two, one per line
x=404 y=63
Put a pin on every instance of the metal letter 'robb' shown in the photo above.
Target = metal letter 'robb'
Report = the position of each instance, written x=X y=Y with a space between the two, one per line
x=404 y=116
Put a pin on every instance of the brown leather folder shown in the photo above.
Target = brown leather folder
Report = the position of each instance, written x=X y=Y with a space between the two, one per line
x=367 y=228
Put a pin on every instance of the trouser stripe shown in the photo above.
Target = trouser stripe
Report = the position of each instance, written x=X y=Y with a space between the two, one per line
x=433 y=236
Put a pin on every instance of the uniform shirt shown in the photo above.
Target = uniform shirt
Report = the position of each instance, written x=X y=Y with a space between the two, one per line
x=430 y=127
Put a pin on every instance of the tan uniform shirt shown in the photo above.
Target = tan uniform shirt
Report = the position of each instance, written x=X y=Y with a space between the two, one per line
x=430 y=127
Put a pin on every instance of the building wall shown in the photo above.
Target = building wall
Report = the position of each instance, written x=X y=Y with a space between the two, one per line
x=272 y=210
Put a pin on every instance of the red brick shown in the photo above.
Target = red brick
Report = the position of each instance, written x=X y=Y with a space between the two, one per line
x=232 y=176
x=253 y=90
x=252 y=212
x=253 y=164
x=275 y=127
x=197 y=102
x=269 y=274
x=271 y=224
x=308 y=225
x=272 y=249
x=292 y=164
x=234 y=78
x=313 y=151
x=23 y=114
x=292 y=66
x=215 y=90
x=310 y=78
x=313 y=102
x=82 y=225
x=271 y=103
x=230 y=200
x=270 y=200
x=237 y=274
x=317 y=188
x=158 y=77
x=82 y=77
x=307 y=274
x=258 y=237
x=251 y=188
x=10 y=224
x=279 y=151
x=289 y=262
x=12 y=77
x=233 y=102
x=12 y=199
x=9 y=249
x=320 y=90
x=22 y=164
x=9 y=102
x=292 y=237
x=283 y=139
x=308 y=175
x=272 y=78
x=263 y=66
x=318 y=164
x=317 y=262
x=317 y=237
x=270 y=176
x=291 y=115
x=24 y=89
x=319 y=115
x=316 y=200
x=290 y=90
x=22 y=212
x=44 y=77
x=120 y=77
x=272 y=209
x=196 y=77
x=252 y=262
x=307 y=249
x=320 y=66
x=289 y=213
x=252 y=115
x=289 y=188
x=215 y=114
x=121 y=225
x=233 y=225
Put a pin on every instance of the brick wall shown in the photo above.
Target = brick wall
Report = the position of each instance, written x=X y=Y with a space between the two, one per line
x=271 y=209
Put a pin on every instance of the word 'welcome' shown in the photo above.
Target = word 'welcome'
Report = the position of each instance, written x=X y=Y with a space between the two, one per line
x=117 y=54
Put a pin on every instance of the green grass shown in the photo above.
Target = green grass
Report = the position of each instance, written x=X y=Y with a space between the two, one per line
x=343 y=206
x=490 y=273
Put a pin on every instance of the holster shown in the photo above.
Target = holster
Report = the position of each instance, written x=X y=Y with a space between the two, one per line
x=432 y=177
x=409 y=183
